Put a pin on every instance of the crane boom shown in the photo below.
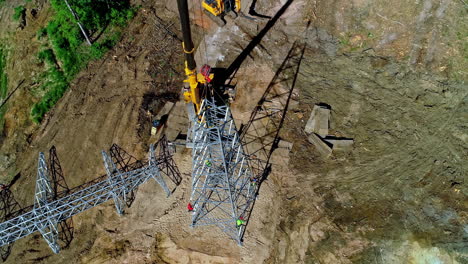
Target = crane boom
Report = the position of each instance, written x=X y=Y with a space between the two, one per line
x=193 y=81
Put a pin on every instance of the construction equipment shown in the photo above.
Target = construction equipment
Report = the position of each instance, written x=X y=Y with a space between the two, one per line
x=195 y=81
x=217 y=9
x=222 y=190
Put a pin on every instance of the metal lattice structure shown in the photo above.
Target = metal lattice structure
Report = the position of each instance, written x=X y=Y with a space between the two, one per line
x=9 y=208
x=42 y=207
x=223 y=187
x=60 y=189
x=48 y=212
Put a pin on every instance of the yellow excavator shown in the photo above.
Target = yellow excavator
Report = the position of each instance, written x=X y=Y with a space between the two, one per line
x=218 y=9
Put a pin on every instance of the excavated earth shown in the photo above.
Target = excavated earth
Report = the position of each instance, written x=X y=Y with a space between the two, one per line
x=394 y=77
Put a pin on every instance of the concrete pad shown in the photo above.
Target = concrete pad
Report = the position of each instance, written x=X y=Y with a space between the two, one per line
x=320 y=145
x=318 y=121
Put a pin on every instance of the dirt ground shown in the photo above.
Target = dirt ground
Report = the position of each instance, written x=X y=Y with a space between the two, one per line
x=395 y=79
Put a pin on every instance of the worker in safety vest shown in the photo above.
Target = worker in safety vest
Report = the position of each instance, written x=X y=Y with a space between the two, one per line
x=240 y=221
x=207 y=163
x=189 y=207
x=253 y=181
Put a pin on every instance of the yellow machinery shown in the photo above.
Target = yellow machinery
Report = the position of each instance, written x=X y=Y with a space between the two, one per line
x=195 y=81
x=217 y=9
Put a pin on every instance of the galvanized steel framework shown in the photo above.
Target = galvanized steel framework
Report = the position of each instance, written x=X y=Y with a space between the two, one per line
x=48 y=212
x=223 y=187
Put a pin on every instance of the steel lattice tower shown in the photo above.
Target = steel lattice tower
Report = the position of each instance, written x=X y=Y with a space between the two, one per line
x=49 y=211
x=223 y=187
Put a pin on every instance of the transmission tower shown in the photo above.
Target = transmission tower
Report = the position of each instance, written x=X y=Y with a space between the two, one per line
x=49 y=210
x=9 y=208
x=223 y=187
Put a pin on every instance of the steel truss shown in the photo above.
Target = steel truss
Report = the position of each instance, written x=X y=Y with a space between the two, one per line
x=223 y=190
x=50 y=210
x=9 y=208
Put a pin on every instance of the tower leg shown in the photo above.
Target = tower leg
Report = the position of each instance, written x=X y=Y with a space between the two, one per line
x=111 y=169
x=44 y=195
x=156 y=174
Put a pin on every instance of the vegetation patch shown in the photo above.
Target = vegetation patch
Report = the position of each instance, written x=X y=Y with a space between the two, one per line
x=67 y=52
x=20 y=11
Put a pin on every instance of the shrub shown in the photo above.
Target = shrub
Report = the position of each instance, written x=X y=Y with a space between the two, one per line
x=47 y=55
x=42 y=32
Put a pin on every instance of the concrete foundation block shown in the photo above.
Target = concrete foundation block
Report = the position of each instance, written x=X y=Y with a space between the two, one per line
x=320 y=145
x=318 y=121
x=341 y=144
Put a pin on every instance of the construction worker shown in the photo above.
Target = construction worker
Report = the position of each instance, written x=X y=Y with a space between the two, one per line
x=240 y=221
x=207 y=163
x=253 y=181
x=189 y=207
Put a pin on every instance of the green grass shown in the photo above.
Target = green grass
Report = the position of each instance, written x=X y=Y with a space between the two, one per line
x=19 y=12
x=68 y=49
x=47 y=55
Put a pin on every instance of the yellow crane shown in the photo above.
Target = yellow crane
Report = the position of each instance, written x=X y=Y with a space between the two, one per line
x=195 y=80
x=217 y=9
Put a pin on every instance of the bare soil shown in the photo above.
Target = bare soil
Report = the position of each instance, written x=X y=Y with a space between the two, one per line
x=395 y=78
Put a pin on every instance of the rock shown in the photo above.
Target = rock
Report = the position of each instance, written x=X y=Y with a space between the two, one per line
x=318 y=121
x=320 y=145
